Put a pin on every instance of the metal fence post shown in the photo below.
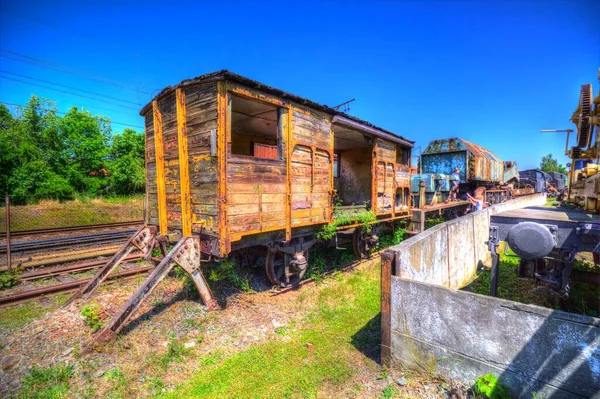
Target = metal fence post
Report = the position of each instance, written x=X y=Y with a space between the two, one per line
x=7 y=210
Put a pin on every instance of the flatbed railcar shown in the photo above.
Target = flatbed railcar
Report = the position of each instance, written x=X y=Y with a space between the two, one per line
x=233 y=164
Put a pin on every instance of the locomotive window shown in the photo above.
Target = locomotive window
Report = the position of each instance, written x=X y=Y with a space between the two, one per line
x=255 y=128
x=402 y=155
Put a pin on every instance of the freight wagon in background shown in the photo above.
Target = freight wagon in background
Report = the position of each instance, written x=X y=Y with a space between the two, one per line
x=233 y=164
x=480 y=171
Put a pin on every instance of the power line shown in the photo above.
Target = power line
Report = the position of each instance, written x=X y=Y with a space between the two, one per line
x=68 y=87
x=64 y=113
x=66 y=92
x=26 y=59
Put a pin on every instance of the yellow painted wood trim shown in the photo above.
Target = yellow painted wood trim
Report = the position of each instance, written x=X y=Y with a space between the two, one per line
x=184 y=165
x=160 y=168
x=289 y=147
x=222 y=133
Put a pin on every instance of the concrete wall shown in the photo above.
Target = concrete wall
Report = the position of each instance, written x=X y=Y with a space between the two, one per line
x=427 y=324
x=448 y=254
x=464 y=335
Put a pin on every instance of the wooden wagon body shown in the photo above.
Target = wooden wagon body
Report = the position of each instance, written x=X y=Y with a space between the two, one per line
x=241 y=163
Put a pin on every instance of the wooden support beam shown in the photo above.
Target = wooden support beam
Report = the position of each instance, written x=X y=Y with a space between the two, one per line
x=184 y=165
x=387 y=259
x=223 y=106
x=160 y=168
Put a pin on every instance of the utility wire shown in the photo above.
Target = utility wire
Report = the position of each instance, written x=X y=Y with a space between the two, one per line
x=68 y=87
x=66 y=92
x=64 y=113
x=11 y=55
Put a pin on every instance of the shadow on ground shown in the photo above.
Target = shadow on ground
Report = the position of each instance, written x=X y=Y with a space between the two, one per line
x=368 y=339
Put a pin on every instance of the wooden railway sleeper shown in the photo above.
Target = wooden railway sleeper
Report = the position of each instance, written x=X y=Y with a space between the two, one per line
x=144 y=239
x=186 y=253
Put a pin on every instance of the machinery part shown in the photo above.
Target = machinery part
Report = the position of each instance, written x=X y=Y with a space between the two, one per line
x=582 y=115
x=575 y=153
x=530 y=240
x=363 y=241
x=144 y=240
x=186 y=253
x=286 y=264
x=492 y=244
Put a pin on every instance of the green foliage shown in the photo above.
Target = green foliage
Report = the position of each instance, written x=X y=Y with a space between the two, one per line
x=176 y=351
x=45 y=156
x=365 y=218
x=48 y=383
x=9 y=279
x=549 y=164
x=430 y=222
x=489 y=387
x=388 y=392
x=226 y=271
x=91 y=315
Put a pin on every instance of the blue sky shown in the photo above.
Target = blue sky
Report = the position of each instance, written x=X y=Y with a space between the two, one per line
x=492 y=72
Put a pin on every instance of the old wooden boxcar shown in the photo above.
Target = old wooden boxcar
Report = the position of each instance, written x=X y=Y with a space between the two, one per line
x=234 y=164
x=242 y=164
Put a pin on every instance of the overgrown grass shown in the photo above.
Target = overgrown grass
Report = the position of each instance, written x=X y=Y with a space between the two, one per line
x=340 y=323
x=366 y=218
x=49 y=214
x=47 y=383
x=584 y=298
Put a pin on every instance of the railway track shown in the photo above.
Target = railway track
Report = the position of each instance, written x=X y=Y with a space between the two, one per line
x=35 y=232
x=67 y=287
x=61 y=242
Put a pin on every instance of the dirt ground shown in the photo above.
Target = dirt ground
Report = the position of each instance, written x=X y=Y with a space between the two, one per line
x=173 y=314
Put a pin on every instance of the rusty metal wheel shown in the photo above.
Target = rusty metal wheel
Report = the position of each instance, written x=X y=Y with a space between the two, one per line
x=363 y=241
x=281 y=268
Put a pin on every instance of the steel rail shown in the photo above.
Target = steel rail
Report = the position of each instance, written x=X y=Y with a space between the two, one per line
x=70 y=228
x=78 y=267
x=66 y=241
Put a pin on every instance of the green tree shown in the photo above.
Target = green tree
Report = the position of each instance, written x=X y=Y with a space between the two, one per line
x=85 y=139
x=126 y=166
x=549 y=164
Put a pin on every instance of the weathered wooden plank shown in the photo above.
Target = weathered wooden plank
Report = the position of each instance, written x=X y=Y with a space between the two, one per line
x=242 y=209
x=234 y=198
x=271 y=207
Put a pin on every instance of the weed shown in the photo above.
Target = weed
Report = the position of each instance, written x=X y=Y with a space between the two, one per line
x=10 y=278
x=225 y=270
x=51 y=382
x=489 y=387
x=328 y=231
x=91 y=315
x=175 y=352
x=388 y=392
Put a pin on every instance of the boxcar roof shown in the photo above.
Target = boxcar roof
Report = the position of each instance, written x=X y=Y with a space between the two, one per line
x=227 y=75
x=458 y=144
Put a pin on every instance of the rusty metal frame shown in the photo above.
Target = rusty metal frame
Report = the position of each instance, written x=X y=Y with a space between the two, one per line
x=184 y=164
x=144 y=240
x=186 y=253
x=160 y=168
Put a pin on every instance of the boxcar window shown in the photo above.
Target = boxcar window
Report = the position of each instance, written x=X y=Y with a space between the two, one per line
x=254 y=128
x=402 y=155
x=336 y=165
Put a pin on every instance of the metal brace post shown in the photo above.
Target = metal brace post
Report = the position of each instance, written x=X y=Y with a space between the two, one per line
x=143 y=240
x=492 y=244
x=186 y=254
